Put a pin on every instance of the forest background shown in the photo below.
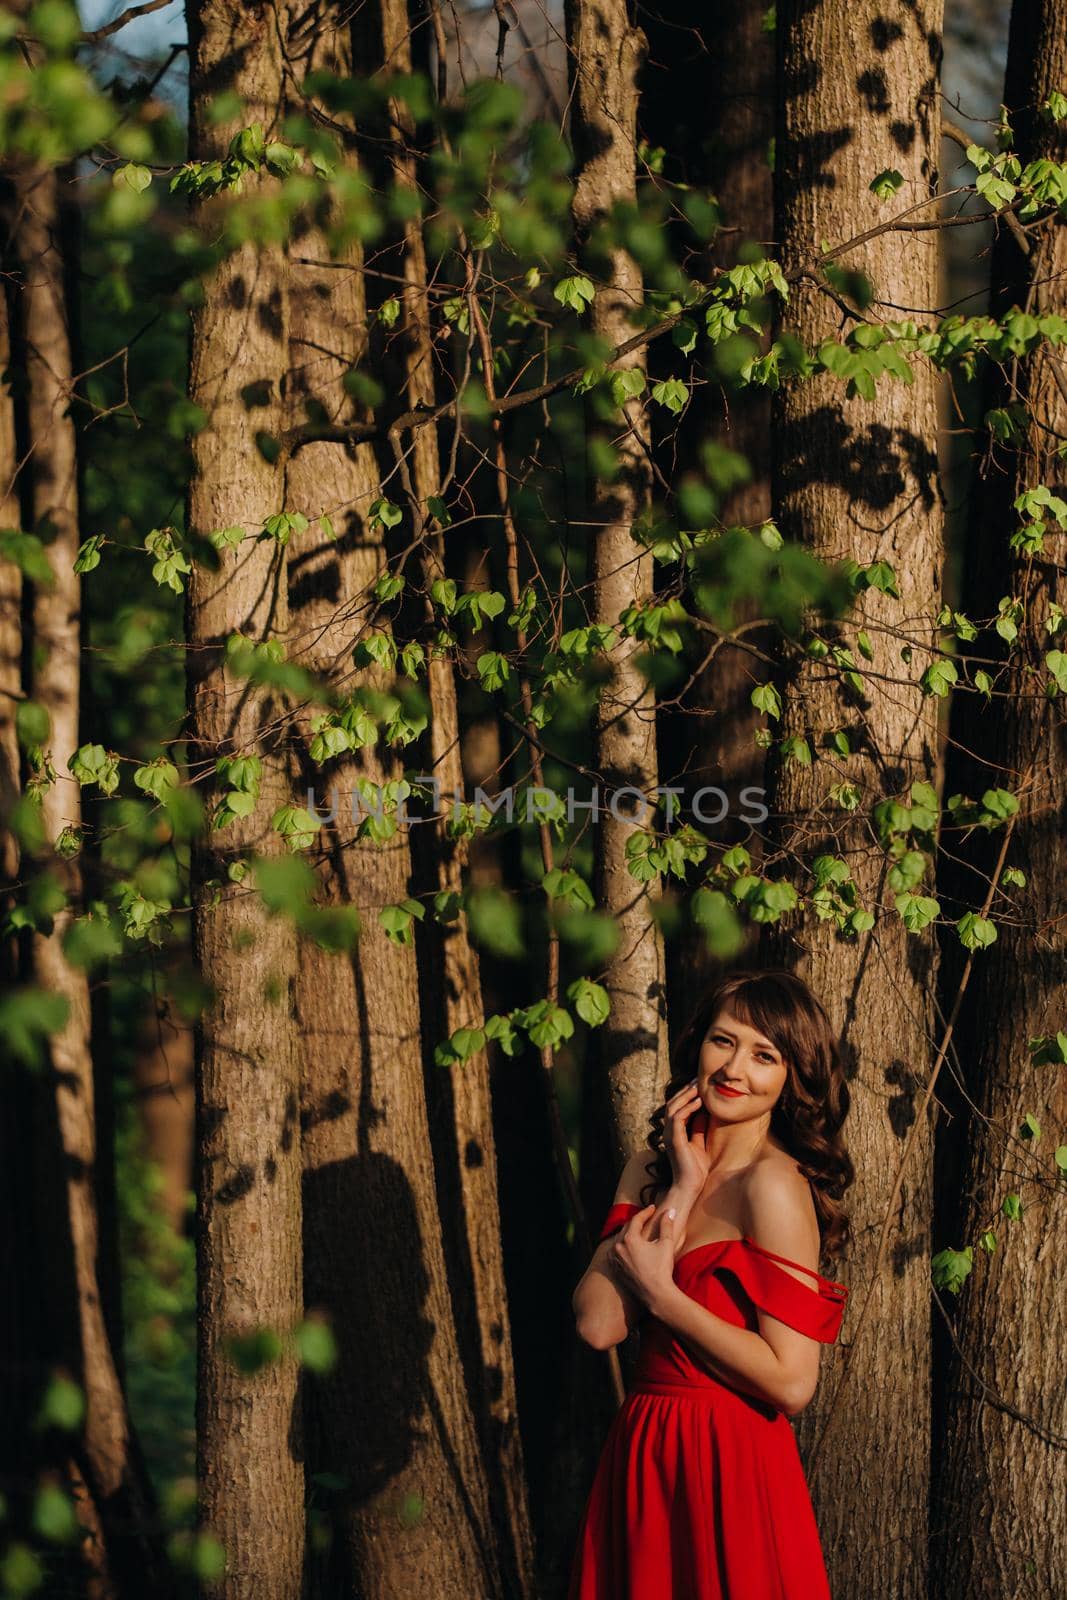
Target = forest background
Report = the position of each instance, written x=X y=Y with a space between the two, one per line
x=544 y=401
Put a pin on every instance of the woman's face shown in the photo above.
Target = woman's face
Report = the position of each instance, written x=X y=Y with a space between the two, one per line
x=737 y=1057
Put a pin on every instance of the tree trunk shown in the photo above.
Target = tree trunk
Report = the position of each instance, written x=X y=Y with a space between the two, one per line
x=114 y=1498
x=15 y=1224
x=164 y=1071
x=627 y=1066
x=414 y=1499
x=857 y=96
x=458 y=1094
x=998 y=1528
x=707 y=99
x=248 y=1168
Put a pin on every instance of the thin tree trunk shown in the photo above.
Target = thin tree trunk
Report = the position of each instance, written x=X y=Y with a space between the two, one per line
x=248 y=1167
x=858 y=479
x=116 y=1506
x=998 y=1527
x=15 y=1224
x=458 y=1094
x=626 y=1058
x=164 y=1071
x=627 y=1069
x=707 y=99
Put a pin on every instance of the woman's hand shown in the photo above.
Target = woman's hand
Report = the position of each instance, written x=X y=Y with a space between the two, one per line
x=684 y=1128
x=646 y=1265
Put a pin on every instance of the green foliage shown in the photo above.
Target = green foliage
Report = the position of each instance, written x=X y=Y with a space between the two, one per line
x=951 y=1268
x=495 y=193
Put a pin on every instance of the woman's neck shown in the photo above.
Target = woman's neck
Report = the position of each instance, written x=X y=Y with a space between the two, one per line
x=733 y=1146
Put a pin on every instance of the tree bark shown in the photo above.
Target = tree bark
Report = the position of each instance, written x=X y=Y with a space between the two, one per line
x=998 y=1527
x=392 y=1418
x=15 y=1223
x=248 y=1165
x=627 y=1067
x=857 y=96
x=112 y=1494
x=707 y=99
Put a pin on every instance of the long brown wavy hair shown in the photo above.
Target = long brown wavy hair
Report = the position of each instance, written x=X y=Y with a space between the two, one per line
x=808 y=1114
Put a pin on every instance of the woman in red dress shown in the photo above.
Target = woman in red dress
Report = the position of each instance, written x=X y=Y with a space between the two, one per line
x=725 y=1221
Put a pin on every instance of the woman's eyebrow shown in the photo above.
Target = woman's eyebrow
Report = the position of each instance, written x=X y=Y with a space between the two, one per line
x=761 y=1044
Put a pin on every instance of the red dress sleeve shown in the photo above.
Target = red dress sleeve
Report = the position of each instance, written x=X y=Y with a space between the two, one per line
x=620 y=1212
x=815 y=1309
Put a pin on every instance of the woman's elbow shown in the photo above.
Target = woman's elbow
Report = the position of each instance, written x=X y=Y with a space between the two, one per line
x=796 y=1396
x=597 y=1334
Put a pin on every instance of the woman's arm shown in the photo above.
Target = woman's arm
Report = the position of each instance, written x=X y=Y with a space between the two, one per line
x=605 y=1310
x=778 y=1364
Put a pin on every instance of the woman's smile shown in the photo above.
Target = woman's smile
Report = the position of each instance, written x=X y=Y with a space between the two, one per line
x=723 y=1088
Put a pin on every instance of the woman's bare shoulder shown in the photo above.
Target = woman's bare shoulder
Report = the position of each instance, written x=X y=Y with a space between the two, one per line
x=777 y=1203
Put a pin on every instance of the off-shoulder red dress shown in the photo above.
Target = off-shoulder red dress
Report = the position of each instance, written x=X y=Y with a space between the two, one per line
x=700 y=1492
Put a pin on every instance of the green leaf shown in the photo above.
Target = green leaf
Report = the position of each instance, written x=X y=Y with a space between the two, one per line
x=672 y=393
x=765 y=697
x=33 y=725
x=916 y=910
x=316 y=1346
x=91 y=763
x=88 y=555
x=466 y=1042
x=1051 y=1051
x=1012 y=1207
x=1056 y=662
x=384 y=514
x=591 y=1001
x=134 y=176
x=296 y=825
x=626 y=384
x=443 y=594
x=54 y=1517
x=998 y=805
x=886 y=183
x=170 y=563
x=951 y=1268
x=398 y=921
x=938 y=678
x=63 y=1404
x=576 y=292
x=795 y=749
x=251 y=1352
x=908 y=871
x=157 y=778
x=21 y=1572
x=283 y=524
x=495 y=922
x=1030 y=1128
x=547 y=1025
x=975 y=932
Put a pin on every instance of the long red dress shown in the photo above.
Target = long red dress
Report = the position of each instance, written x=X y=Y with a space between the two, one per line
x=700 y=1492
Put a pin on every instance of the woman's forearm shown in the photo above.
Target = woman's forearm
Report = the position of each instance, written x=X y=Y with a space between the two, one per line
x=605 y=1309
x=739 y=1356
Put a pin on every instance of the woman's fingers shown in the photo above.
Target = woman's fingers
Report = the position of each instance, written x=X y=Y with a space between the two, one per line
x=685 y=1097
